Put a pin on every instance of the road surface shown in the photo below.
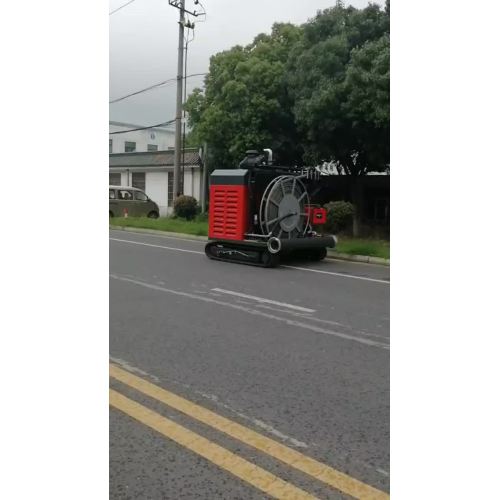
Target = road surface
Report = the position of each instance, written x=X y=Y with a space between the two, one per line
x=230 y=381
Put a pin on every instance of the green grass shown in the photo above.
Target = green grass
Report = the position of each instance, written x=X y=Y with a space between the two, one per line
x=358 y=246
x=199 y=227
x=196 y=227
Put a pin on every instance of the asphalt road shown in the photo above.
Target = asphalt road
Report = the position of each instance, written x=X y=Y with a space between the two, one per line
x=298 y=354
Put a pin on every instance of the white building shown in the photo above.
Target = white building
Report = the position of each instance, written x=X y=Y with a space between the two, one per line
x=138 y=141
x=153 y=172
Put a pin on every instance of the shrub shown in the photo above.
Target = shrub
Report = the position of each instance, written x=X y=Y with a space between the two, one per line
x=339 y=215
x=186 y=207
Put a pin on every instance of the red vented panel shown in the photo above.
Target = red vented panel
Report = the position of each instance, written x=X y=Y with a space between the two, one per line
x=228 y=212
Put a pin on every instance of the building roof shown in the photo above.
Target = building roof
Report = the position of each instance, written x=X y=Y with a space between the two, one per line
x=153 y=159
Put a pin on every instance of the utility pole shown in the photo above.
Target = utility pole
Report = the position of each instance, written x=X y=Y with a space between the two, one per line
x=203 y=190
x=178 y=114
x=180 y=4
x=184 y=111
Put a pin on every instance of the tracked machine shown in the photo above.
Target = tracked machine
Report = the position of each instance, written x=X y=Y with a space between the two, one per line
x=260 y=212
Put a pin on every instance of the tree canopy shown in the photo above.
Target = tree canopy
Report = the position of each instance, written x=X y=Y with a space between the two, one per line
x=314 y=92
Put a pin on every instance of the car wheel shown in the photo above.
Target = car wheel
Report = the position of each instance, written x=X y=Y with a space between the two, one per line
x=322 y=253
x=153 y=215
x=317 y=254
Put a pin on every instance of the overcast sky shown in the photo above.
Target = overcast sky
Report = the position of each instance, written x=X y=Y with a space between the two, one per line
x=143 y=39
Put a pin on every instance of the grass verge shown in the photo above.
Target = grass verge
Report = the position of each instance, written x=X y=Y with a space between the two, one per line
x=358 y=246
x=197 y=227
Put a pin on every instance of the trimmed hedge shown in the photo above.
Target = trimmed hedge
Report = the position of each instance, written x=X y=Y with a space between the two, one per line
x=339 y=216
x=186 y=207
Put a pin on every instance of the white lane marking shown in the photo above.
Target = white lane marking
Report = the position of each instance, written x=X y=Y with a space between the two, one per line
x=157 y=246
x=204 y=241
x=288 y=267
x=133 y=369
x=364 y=278
x=214 y=398
x=291 y=322
x=166 y=236
x=264 y=301
x=255 y=421
x=325 y=321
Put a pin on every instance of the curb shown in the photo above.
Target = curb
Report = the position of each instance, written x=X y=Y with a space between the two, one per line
x=332 y=254
x=367 y=259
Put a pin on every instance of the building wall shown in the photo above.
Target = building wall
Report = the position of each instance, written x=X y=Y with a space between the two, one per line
x=156 y=189
x=188 y=189
x=196 y=183
x=157 y=186
x=162 y=138
x=192 y=182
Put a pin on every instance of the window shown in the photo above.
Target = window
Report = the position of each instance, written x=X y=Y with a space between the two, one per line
x=110 y=146
x=170 y=188
x=139 y=180
x=140 y=196
x=115 y=179
x=170 y=184
x=112 y=194
x=129 y=147
x=123 y=194
x=152 y=147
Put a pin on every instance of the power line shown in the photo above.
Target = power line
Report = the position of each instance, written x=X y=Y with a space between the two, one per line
x=143 y=90
x=143 y=128
x=124 y=5
x=151 y=87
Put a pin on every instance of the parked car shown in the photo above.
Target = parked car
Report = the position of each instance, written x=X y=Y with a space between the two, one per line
x=130 y=201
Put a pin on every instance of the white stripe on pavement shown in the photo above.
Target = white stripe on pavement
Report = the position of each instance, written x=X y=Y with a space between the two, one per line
x=364 y=278
x=307 y=269
x=288 y=321
x=266 y=301
x=157 y=246
x=168 y=237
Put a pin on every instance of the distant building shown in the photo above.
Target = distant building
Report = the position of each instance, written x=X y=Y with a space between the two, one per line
x=153 y=172
x=139 y=141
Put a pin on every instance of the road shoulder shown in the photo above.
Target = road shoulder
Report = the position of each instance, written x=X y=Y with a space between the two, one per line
x=332 y=254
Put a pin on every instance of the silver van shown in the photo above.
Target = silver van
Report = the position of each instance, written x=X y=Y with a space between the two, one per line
x=131 y=202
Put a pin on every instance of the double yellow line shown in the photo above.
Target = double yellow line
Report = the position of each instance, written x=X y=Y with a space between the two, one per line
x=245 y=470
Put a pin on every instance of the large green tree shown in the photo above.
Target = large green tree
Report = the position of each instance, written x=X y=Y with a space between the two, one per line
x=245 y=103
x=338 y=77
x=318 y=92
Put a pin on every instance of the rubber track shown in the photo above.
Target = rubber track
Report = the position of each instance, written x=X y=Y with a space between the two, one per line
x=273 y=262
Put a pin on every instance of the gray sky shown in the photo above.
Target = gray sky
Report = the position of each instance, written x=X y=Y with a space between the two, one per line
x=143 y=38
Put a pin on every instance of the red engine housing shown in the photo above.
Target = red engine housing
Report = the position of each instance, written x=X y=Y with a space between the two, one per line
x=228 y=211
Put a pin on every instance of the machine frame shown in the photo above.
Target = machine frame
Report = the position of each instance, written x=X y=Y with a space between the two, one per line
x=261 y=211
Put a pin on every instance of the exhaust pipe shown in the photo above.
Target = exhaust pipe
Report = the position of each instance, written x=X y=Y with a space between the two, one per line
x=274 y=245
x=308 y=243
x=269 y=155
x=313 y=242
